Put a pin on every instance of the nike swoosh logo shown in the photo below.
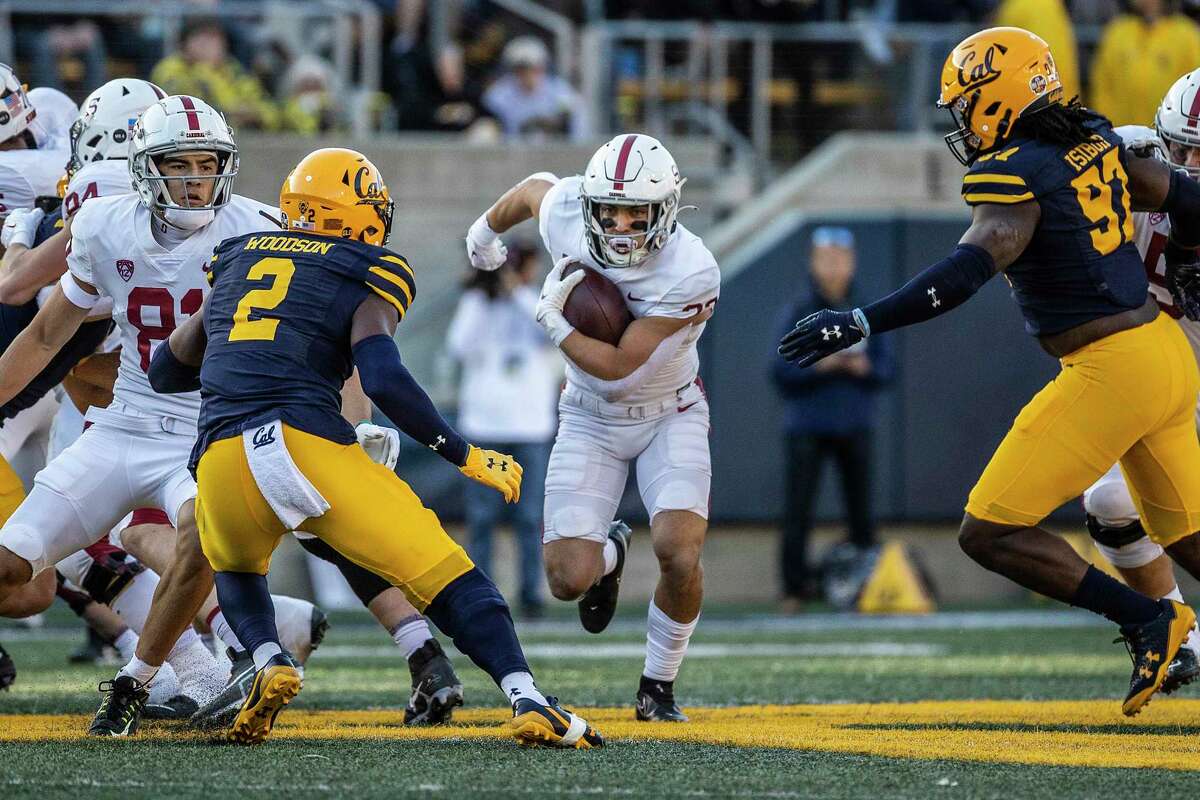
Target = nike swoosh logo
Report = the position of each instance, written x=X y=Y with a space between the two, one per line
x=635 y=299
x=681 y=409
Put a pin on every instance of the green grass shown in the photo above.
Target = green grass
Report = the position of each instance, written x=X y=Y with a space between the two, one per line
x=1021 y=663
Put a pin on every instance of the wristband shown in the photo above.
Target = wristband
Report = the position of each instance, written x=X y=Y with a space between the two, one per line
x=481 y=231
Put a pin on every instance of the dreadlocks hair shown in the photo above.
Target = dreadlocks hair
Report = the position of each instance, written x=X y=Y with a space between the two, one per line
x=1063 y=124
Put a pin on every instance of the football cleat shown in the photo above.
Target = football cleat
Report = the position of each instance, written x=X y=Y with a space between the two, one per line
x=8 y=669
x=1152 y=647
x=436 y=689
x=221 y=710
x=599 y=603
x=273 y=688
x=552 y=725
x=179 y=706
x=121 y=710
x=656 y=703
x=94 y=650
x=1182 y=670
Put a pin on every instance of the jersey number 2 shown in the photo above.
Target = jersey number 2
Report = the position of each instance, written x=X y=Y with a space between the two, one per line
x=1096 y=188
x=280 y=270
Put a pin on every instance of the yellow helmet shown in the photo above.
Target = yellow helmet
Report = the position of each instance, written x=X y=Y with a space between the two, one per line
x=337 y=192
x=992 y=79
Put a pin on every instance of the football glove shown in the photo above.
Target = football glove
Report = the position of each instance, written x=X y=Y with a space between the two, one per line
x=822 y=334
x=1183 y=279
x=555 y=291
x=484 y=248
x=20 y=226
x=382 y=444
x=497 y=470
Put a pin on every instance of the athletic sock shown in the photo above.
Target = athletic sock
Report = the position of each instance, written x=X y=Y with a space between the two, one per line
x=126 y=644
x=139 y=670
x=1108 y=597
x=133 y=604
x=265 y=652
x=610 y=556
x=222 y=630
x=410 y=634
x=520 y=686
x=666 y=642
x=200 y=676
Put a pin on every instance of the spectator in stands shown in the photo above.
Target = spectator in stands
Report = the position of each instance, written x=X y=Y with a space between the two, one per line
x=528 y=101
x=203 y=67
x=1048 y=19
x=829 y=413
x=510 y=379
x=47 y=47
x=1141 y=53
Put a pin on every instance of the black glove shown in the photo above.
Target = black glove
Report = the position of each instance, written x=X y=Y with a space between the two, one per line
x=818 y=335
x=1183 y=279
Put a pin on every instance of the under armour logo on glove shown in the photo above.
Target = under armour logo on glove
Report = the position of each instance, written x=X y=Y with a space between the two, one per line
x=503 y=465
x=819 y=335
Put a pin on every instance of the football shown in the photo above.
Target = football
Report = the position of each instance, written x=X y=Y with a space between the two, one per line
x=595 y=307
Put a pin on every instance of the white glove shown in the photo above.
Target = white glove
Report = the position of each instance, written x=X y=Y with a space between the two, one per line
x=555 y=291
x=484 y=248
x=382 y=444
x=20 y=227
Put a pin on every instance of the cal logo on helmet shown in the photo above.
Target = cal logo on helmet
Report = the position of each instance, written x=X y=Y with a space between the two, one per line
x=336 y=191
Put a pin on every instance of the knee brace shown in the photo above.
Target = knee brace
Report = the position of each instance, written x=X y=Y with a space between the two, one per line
x=1125 y=546
x=365 y=584
x=109 y=574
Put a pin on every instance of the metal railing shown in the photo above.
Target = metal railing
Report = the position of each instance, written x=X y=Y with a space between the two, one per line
x=357 y=29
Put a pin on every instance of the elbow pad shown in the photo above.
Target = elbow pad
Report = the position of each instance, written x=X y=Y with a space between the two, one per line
x=939 y=288
x=169 y=375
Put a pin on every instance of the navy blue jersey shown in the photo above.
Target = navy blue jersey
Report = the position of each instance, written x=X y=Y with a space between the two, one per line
x=14 y=319
x=1081 y=263
x=278 y=325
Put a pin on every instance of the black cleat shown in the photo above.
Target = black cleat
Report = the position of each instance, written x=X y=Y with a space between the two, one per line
x=8 y=669
x=174 y=708
x=436 y=689
x=534 y=724
x=1153 y=646
x=121 y=710
x=95 y=650
x=1181 y=671
x=656 y=702
x=599 y=603
x=222 y=709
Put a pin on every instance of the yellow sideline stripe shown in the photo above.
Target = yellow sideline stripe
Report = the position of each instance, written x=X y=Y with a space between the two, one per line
x=1015 y=732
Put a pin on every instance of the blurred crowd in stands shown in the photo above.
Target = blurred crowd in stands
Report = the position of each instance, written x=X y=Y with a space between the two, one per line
x=473 y=66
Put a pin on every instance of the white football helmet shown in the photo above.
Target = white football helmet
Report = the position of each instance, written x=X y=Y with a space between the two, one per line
x=176 y=124
x=16 y=112
x=633 y=169
x=1178 y=121
x=105 y=123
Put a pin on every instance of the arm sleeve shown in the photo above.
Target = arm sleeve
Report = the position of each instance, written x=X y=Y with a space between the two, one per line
x=169 y=375
x=936 y=290
x=1183 y=206
x=398 y=395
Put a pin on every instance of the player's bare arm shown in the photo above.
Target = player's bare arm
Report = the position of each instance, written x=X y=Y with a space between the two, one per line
x=521 y=202
x=24 y=270
x=55 y=323
x=606 y=362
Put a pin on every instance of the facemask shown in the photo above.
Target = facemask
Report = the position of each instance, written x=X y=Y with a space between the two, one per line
x=188 y=219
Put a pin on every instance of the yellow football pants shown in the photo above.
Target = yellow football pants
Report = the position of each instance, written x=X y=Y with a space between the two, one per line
x=12 y=491
x=374 y=518
x=1129 y=397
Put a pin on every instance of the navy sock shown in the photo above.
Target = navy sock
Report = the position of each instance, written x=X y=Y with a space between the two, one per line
x=471 y=611
x=246 y=602
x=1102 y=594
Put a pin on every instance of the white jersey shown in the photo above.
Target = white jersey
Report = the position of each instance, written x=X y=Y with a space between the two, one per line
x=26 y=175
x=153 y=289
x=1150 y=232
x=97 y=179
x=678 y=281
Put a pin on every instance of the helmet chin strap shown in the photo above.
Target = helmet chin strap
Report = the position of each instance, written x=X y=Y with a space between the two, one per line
x=187 y=219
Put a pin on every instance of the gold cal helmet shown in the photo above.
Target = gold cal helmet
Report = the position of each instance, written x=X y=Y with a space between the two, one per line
x=992 y=79
x=337 y=192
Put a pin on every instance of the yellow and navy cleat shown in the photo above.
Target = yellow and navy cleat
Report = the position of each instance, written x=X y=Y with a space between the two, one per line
x=274 y=687
x=535 y=724
x=121 y=710
x=1153 y=646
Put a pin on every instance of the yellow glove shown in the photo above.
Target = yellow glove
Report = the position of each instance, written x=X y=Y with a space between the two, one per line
x=497 y=470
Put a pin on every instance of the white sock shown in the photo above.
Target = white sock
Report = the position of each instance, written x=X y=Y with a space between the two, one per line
x=666 y=642
x=220 y=628
x=139 y=670
x=610 y=556
x=164 y=686
x=410 y=634
x=520 y=685
x=133 y=604
x=126 y=644
x=1174 y=594
x=264 y=652
x=200 y=677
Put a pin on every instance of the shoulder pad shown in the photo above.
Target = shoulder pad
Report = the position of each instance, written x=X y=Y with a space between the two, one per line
x=1003 y=176
x=391 y=278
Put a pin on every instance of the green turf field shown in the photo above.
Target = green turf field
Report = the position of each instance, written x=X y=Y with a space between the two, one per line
x=779 y=710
